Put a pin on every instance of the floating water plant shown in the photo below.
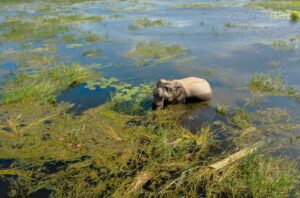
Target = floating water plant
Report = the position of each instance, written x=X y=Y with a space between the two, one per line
x=145 y=23
x=132 y=100
x=155 y=52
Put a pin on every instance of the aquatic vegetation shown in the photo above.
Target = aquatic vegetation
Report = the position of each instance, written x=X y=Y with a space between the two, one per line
x=91 y=52
x=132 y=100
x=92 y=37
x=32 y=59
x=283 y=45
x=155 y=52
x=116 y=16
x=272 y=84
x=69 y=38
x=44 y=86
x=294 y=16
x=198 y=5
x=280 y=5
x=230 y=25
x=144 y=22
x=255 y=176
x=242 y=119
x=221 y=109
x=18 y=29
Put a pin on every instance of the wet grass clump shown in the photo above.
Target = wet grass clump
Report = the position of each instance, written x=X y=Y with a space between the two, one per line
x=144 y=22
x=44 y=86
x=155 y=52
x=255 y=176
x=295 y=16
x=272 y=84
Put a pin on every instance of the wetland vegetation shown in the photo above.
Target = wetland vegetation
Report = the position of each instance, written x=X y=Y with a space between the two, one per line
x=247 y=147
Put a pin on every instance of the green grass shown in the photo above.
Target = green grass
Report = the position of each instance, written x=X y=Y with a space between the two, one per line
x=294 y=16
x=278 y=5
x=255 y=176
x=272 y=84
x=44 y=86
x=155 y=52
x=144 y=22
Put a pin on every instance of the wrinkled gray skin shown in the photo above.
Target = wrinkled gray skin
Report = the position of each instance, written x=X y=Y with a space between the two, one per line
x=180 y=91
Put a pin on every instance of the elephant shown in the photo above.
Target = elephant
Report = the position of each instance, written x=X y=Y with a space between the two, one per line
x=185 y=90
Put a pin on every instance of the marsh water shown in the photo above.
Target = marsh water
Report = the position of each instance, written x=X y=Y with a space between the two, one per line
x=225 y=44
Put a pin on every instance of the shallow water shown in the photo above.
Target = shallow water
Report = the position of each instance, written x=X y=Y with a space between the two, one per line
x=231 y=54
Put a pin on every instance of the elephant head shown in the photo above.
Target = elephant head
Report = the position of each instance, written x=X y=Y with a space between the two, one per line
x=166 y=91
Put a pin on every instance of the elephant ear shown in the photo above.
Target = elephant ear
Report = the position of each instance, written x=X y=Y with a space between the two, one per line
x=161 y=82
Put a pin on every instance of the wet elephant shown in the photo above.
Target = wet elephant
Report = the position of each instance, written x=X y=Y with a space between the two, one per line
x=181 y=91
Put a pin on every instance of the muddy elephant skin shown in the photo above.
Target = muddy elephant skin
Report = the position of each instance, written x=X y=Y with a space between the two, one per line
x=181 y=91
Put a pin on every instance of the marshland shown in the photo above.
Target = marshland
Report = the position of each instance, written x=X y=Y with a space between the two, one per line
x=76 y=82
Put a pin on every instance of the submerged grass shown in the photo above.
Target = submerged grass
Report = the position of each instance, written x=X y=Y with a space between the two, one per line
x=155 y=52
